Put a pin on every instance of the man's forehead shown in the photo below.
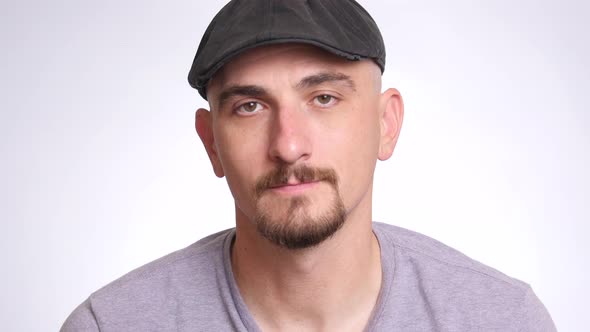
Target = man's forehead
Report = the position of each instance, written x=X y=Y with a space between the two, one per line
x=300 y=59
x=265 y=56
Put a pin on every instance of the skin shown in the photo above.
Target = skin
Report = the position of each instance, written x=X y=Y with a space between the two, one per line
x=344 y=124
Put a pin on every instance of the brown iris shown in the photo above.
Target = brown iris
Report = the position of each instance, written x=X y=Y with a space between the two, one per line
x=324 y=99
x=250 y=106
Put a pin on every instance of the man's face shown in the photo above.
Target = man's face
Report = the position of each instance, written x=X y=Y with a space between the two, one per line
x=297 y=132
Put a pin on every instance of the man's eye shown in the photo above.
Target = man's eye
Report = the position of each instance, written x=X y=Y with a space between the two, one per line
x=249 y=107
x=325 y=100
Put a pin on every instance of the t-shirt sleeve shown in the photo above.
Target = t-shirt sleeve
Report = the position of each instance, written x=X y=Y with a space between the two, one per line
x=81 y=319
x=536 y=317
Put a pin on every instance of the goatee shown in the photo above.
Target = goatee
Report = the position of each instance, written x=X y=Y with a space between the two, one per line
x=299 y=230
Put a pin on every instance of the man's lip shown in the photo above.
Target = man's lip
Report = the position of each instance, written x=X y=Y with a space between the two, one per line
x=293 y=188
x=292 y=184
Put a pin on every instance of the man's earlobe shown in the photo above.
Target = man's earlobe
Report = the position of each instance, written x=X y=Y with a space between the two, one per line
x=392 y=116
x=203 y=125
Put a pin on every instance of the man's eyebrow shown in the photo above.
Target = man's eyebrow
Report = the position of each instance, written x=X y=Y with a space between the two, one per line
x=241 y=90
x=324 y=77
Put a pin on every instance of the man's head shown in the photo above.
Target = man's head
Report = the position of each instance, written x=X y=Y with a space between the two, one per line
x=297 y=130
x=341 y=27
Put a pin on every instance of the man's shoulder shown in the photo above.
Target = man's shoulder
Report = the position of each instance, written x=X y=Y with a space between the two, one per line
x=437 y=283
x=197 y=261
x=149 y=291
x=425 y=251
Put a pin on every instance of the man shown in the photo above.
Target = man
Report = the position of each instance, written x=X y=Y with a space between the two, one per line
x=297 y=122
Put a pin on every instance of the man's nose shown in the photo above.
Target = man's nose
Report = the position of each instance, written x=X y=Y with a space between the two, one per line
x=290 y=139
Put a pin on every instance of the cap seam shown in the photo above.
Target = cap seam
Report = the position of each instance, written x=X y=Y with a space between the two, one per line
x=354 y=27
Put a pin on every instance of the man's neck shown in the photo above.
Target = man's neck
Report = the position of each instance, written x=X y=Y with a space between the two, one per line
x=333 y=286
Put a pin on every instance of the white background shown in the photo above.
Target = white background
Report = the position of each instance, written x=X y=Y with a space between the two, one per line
x=101 y=170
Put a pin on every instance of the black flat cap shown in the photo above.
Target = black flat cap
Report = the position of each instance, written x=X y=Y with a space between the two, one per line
x=341 y=27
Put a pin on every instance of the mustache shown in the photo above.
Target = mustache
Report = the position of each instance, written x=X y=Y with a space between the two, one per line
x=303 y=173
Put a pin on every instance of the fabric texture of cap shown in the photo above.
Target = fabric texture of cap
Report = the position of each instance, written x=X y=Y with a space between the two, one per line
x=341 y=27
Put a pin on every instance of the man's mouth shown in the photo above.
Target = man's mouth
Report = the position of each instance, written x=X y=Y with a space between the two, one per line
x=293 y=187
x=294 y=180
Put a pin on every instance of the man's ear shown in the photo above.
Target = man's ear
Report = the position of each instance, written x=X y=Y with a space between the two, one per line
x=391 y=118
x=203 y=125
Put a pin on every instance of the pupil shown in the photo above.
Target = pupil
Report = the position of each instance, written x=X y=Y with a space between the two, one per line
x=250 y=106
x=324 y=99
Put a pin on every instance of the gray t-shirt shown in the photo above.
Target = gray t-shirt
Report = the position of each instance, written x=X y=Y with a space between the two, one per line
x=426 y=286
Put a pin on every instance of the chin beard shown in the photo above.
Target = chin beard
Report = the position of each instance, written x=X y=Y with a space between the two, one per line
x=298 y=230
